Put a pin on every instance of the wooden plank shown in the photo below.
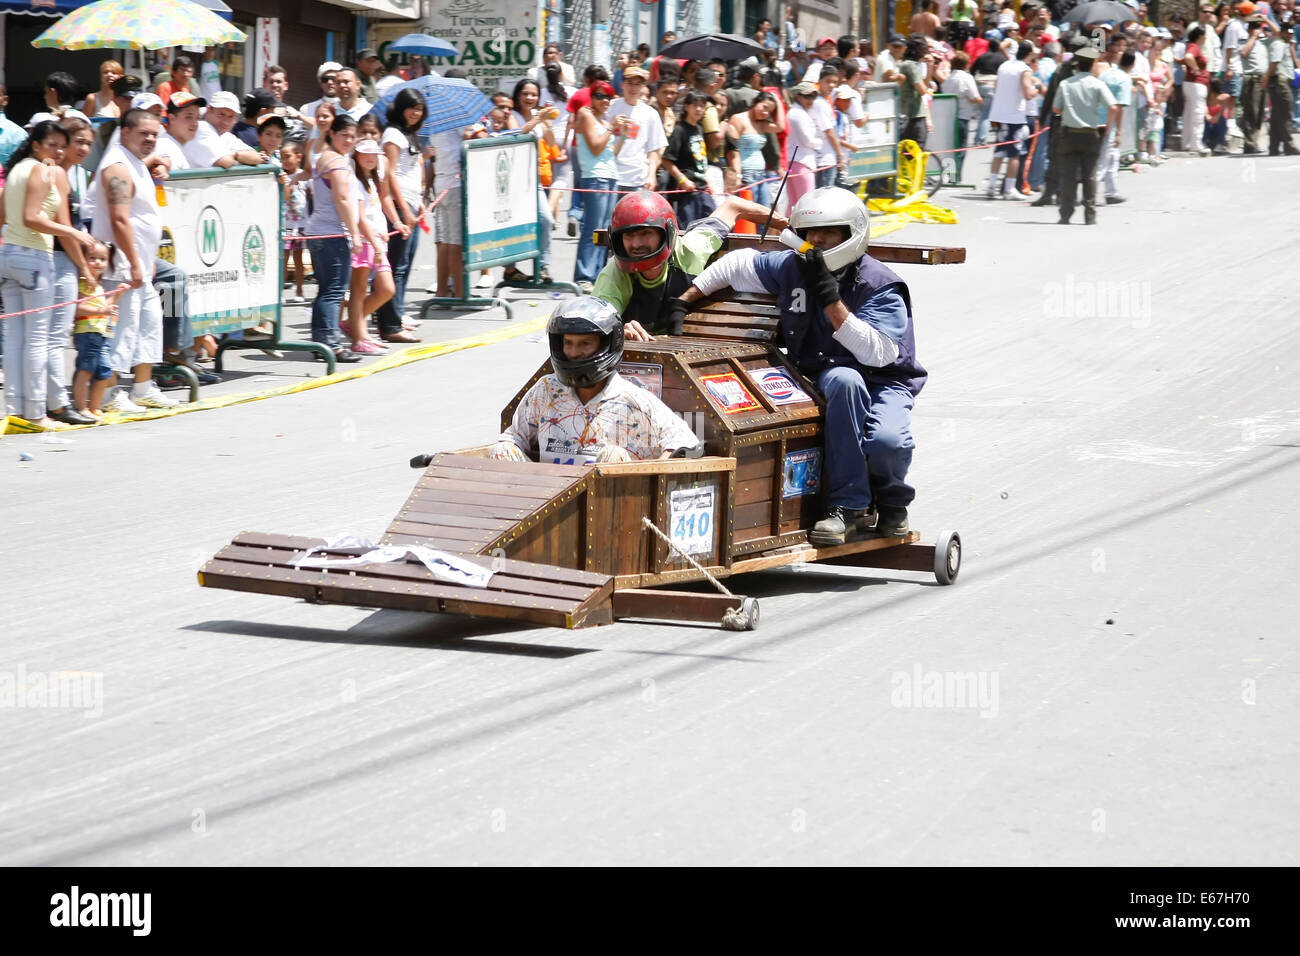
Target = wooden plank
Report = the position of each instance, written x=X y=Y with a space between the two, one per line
x=673 y=605
x=737 y=313
x=429 y=538
x=508 y=467
x=729 y=333
x=804 y=554
x=600 y=544
x=751 y=467
x=755 y=514
x=682 y=576
x=632 y=552
x=515 y=489
x=908 y=557
x=459 y=520
x=894 y=252
x=445 y=496
x=668 y=466
x=409 y=570
x=517 y=568
x=549 y=483
x=479 y=536
x=337 y=588
x=489 y=511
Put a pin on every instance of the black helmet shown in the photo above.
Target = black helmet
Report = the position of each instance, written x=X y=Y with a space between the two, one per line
x=583 y=316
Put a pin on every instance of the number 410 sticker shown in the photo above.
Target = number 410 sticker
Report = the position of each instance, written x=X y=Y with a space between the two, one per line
x=691 y=519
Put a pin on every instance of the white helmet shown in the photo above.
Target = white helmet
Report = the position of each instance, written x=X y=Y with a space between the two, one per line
x=833 y=206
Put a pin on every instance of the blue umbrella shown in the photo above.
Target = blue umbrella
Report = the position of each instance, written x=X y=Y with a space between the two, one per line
x=423 y=45
x=451 y=104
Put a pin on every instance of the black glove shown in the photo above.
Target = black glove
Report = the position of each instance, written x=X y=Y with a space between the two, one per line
x=675 y=315
x=820 y=283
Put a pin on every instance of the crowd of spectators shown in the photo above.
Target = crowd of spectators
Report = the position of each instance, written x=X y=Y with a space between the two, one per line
x=360 y=182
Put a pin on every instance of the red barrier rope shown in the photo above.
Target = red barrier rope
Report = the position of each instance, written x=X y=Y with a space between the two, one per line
x=1010 y=142
x=59 y=305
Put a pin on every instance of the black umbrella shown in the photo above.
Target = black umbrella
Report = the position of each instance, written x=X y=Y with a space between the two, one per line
x=1101 y=11
x=712 y=46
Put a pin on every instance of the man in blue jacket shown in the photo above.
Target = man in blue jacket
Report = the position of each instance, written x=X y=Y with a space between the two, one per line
x=846 y=322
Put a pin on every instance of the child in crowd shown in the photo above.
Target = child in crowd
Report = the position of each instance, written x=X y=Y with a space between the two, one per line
x=293 y=214
x=92 y=334
x=372 y=260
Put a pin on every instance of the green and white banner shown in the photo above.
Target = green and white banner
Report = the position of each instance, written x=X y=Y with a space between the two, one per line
x=223 y=229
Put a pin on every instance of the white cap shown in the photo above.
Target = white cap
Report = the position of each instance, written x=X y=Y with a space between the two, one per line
x=329 y=66
x=844 y=92
x=41 y=118
x=224 y=100
x=146 y=101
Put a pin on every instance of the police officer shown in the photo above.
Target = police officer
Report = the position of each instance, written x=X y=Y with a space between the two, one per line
x=846 y=323
x=1080 y=101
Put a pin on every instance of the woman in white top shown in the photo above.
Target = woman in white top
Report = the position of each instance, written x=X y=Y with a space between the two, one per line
x=371 y=260
x=555 y=92
x=530 y=118
x=35 y=211
x=406 y=184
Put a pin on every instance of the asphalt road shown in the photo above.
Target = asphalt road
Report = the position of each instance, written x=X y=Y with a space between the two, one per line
x=1112 y=423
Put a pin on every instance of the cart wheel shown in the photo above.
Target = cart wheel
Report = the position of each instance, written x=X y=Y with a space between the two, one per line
x=749 y=607
x=947 y=557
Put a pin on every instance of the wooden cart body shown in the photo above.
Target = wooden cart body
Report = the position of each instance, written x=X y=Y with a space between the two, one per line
x=569 y=542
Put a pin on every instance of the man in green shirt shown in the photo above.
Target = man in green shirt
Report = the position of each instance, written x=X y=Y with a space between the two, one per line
x=1254 y=66
x=1281 y=71
x=1080 y=100
x=652 y=264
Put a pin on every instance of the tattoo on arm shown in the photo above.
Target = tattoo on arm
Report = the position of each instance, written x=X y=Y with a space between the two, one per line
x=119 y=190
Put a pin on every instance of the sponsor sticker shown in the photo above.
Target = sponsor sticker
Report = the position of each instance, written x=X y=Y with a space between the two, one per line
x=777 y=385
x=649 y=377
x=803 y=473
x=729 y=393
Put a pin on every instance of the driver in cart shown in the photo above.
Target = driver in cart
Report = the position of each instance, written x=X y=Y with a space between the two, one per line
x=584 y=411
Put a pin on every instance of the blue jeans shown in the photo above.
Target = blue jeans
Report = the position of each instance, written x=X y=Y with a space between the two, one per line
x=173 y=286
x=401 y=253
x=596 y=210
x=27 y=280
x=65 y=290
x=1038 y=165
x=762 y=193
x=545 y=223
x=982 y=127
x=575 y=198
x=868 y=441
x=826 y=177
x=964 y=130
x=332 y=261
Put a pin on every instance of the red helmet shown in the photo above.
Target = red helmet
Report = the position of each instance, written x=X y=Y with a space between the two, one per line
x=640 y=210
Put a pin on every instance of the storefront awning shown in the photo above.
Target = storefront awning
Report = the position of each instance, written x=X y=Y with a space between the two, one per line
x=386 y=9
x=57 y=8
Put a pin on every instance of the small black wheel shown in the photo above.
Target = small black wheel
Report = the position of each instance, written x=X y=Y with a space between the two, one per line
x=947 y=557
x=749 y=608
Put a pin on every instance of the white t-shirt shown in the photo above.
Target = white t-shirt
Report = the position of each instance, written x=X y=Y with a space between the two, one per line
x=171 y=147
x=885 y=63
x=823 y=118
x=647 y=135
x=446 y=159
x=1235 y=35
x=814 y=71
x=210 y=78
x=1008 y=97
x=410 y=165
x=804 y=135
x=208 y=146
x=359 y=109
x=962 y=85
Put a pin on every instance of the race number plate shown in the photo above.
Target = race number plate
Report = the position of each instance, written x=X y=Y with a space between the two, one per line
x=692 y=514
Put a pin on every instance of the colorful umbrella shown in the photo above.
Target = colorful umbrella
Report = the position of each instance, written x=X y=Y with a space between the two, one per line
x=451 y=104
x=138 y=24
x=421 y=44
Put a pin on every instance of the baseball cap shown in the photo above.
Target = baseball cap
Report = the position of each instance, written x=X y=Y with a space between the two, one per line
x=145 y=101
x=366 y=54
x=633 y=72
x=258 y=99
x=42 y=117
x=1088 y=52
x=271 y=119
x=896 y=39
x=329 y=66
x=224 y=100
x=844 y=92
x=1152 y=31
x=1246 y=8
x=993 y=35
x=366 y=146
x=825 y=40
x=183 y=98
x=806 y=88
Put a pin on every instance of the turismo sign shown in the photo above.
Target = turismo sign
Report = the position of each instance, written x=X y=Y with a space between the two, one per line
x=496 y=40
